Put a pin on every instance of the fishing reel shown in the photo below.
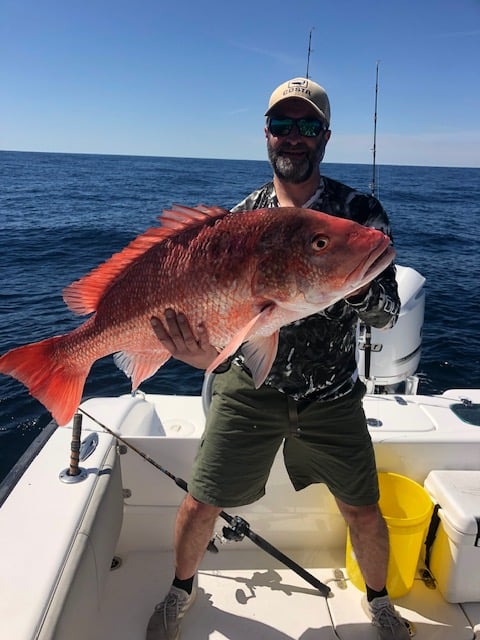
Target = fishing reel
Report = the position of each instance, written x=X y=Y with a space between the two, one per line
x=237 y=529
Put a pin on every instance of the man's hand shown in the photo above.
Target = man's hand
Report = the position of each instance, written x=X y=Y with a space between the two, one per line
x=178 y=338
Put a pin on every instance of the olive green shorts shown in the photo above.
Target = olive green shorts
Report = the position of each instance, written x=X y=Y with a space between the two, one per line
x=322 y=442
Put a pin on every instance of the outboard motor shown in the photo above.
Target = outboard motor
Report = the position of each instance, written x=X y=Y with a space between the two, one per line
x=391 y=357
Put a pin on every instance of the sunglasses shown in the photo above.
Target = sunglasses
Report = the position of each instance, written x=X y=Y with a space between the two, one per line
x=308 y=127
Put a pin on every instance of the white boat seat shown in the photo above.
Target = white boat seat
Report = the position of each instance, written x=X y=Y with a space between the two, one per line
x=66 y=552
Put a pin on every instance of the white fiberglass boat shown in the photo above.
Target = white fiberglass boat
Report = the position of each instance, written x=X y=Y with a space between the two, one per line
x=87 y=555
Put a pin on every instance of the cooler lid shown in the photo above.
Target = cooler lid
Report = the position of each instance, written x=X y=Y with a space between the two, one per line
x=458 y=494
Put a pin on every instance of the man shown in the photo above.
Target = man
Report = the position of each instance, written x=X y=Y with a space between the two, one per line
x=312 y=395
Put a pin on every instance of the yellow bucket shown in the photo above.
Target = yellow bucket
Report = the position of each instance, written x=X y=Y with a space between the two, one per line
x=407 y=509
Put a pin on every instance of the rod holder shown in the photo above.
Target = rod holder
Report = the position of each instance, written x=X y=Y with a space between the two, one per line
x=75 y=473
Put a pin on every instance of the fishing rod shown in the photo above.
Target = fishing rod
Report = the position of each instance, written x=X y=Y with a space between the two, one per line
x=367 y=330
x=238 y=529
x=309 y=50
x=374 y=149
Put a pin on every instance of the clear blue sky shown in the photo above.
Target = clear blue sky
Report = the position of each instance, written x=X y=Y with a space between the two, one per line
x=192 y=78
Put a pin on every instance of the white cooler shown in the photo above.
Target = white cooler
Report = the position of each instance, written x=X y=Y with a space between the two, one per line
x=455 y=553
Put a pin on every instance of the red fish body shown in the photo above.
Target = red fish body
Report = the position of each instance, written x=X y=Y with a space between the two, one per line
x=244 y=275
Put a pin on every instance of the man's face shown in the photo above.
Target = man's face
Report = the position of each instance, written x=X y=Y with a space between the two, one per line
x=295 y=157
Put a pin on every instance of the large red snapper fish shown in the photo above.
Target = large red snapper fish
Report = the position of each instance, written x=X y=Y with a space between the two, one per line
x=244 y=275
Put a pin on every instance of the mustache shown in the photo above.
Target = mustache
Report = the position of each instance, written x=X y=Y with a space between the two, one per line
x=286 y=147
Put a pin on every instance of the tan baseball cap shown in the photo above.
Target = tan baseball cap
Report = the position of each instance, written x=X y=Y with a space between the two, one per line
x=303 y=89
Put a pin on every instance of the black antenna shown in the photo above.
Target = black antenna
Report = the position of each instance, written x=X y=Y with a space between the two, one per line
x=309 y=50
x=374 y=166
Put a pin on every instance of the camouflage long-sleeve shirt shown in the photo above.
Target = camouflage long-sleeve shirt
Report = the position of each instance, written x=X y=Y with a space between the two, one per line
x=316 y=355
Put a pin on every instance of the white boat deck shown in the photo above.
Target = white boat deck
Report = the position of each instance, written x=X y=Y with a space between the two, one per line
x=245 y=594
x=55 y=580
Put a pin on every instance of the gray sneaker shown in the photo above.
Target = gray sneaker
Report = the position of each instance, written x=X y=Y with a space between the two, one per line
x=165 y=621
x=387 y=621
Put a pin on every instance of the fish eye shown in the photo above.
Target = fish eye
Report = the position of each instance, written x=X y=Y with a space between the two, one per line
x=319 y=242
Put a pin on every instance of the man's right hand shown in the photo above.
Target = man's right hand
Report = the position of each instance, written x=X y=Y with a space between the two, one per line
x=179 y=339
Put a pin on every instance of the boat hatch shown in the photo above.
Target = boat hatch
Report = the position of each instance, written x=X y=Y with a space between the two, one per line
x=467 y=411
x=395 y=413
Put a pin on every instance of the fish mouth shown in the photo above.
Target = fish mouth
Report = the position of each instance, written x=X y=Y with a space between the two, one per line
x=381 y=260
x=377 y=260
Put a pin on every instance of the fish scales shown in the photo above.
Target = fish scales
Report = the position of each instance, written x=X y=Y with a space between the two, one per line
x=244 y=275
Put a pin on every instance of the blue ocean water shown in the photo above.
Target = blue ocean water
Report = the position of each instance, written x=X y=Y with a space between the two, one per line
x=62 y=214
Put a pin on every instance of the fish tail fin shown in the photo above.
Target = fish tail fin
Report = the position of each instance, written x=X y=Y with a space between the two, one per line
x=49 y=376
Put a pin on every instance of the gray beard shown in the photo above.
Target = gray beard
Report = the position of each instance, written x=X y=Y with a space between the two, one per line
x=295 y=170
x=291 y=170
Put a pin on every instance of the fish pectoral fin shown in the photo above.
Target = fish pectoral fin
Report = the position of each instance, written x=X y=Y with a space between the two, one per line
x=140 y=365
x=259 y=352
x=259 y=356
x=235 y=343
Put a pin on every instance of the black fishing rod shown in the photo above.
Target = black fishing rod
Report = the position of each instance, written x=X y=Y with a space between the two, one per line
x=374 y=149
x=309 y=51
x=367 y=331
x=238 y=529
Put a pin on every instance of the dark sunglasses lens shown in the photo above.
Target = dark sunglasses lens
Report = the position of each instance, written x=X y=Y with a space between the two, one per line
x=309 y=128
x=280 y=126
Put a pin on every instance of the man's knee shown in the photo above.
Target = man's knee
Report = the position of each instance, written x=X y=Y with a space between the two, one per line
x=196 y=510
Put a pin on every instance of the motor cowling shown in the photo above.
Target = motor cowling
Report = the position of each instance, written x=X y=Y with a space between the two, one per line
x=395 y=353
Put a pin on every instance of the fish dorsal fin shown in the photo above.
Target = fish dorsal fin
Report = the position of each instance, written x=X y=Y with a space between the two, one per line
x=83 y=295
x=180 y=217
